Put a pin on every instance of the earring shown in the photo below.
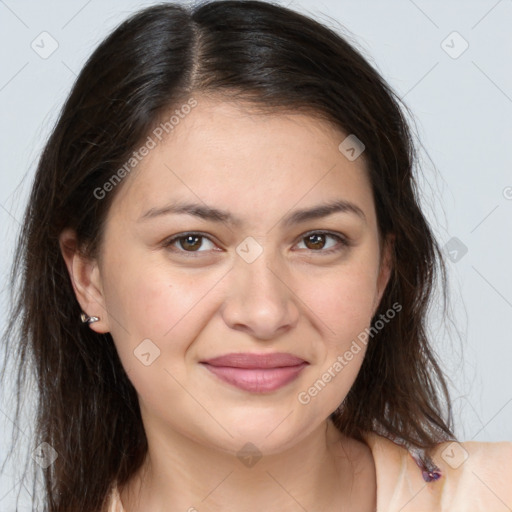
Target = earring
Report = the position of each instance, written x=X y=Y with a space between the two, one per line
x=86 y=319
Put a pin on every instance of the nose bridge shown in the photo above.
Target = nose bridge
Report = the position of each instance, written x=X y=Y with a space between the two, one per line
x=262 y=302
x=258 y=266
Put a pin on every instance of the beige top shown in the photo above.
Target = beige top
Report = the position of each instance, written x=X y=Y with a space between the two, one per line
x=476 y=477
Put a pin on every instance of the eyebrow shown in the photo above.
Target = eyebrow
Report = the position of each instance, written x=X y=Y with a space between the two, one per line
x=216 y=215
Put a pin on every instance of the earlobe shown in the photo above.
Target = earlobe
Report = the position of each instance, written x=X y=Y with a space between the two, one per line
x=86 y=281
x=385 y=269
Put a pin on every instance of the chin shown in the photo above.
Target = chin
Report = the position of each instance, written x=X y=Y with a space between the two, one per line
x=271 y=431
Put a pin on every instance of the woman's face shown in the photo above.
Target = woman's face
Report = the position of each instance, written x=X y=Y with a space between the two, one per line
x=258 y=275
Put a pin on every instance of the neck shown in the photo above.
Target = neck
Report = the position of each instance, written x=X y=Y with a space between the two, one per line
x=318 y=473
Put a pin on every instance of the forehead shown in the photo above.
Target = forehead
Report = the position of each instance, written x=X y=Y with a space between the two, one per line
x=222 y=153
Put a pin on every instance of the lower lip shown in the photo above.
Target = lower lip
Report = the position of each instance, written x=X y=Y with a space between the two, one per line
x=257 y=380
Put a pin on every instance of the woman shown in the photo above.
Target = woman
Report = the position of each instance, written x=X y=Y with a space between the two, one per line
x=225 y=278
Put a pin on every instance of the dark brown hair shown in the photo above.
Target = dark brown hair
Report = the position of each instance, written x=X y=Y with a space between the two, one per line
x=273 y=58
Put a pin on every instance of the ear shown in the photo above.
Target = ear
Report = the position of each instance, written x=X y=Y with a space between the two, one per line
x=85 y=279
x=385 y=268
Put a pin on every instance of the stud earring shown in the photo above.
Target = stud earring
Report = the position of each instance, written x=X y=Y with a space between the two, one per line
x=86 y=319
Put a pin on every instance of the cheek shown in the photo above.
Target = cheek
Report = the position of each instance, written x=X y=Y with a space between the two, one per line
x=150 y=302
x=343 y=303
x=345 y=308
x=342 y=300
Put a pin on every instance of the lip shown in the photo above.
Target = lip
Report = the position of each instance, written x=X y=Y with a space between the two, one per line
x=257 y=373
x=248 y=360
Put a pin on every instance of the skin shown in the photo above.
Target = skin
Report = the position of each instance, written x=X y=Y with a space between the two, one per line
x=209 y=301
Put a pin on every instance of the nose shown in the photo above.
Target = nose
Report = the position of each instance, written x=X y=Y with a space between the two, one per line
x=261 y=302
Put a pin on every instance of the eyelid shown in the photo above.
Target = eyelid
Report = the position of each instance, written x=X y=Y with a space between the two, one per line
x=340 y=237
x=168 y=242
x=334 y=234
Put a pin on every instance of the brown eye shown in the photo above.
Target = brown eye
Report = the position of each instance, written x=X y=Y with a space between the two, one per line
x=315 y=241
x=324 y=243
x=190 y=242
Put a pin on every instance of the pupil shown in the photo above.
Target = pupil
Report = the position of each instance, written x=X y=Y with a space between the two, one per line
x=192 y=245
x=318 y=244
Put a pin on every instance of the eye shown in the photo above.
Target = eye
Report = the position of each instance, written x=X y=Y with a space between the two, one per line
x=188 y=242
x=314 y=241
x=317 y=241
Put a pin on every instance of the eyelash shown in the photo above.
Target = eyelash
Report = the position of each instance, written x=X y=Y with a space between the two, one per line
x=342 y=241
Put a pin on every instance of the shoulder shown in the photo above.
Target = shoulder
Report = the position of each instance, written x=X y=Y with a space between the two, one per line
x=477 y=474
x=474 y=477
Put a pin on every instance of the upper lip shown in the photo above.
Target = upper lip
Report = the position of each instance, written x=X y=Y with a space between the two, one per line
x=248 y=360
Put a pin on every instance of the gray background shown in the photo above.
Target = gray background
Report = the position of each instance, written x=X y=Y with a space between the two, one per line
x=462 y=103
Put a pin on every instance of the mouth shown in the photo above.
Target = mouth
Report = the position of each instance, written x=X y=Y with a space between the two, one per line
x=256 y=373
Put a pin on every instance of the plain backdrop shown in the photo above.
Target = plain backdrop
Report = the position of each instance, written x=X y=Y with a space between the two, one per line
x=451 y=63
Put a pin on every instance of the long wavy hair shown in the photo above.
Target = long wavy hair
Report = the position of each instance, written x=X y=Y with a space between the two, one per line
x=86 y=408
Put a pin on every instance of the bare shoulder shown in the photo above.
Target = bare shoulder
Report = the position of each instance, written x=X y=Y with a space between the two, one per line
x=453 y=455
x=477 y=472
x=475 y=476
x=485 y=458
